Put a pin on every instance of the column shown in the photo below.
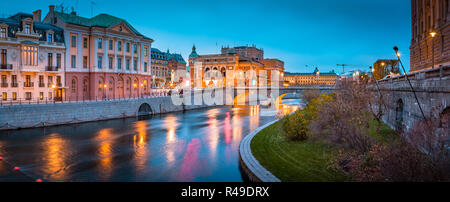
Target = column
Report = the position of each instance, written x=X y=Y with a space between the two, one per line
x=80 y=53
x=95 y=55
x=115 y=55
x=132 y=57
x=105 y=54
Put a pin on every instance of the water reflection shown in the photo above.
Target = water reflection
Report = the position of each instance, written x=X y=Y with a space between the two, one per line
x=199 y=145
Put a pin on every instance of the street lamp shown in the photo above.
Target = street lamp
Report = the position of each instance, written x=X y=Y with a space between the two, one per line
x=432 y=34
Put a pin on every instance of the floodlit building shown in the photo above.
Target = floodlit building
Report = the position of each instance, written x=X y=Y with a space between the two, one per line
x=315 y=78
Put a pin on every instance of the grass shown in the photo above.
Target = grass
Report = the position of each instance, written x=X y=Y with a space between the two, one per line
x=386 y=135
x=307 y=161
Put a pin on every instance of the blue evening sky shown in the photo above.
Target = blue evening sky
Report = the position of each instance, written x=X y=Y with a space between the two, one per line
x=302 y=33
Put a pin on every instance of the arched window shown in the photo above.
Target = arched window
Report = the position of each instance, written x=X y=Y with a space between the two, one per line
x=74 y=85
x=85 y=85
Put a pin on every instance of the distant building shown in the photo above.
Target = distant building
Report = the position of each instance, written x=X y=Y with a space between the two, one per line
x=245 y=51
x=160 y=68
x=240 y=59
x=32 y=59
x=315 y=78
x=383 y=67
x=176 y=62
x=430 y=16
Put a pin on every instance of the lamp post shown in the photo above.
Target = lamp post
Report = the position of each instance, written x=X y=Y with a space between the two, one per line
x=432 y=34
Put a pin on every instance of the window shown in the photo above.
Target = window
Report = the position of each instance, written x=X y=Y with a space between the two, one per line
x=145 y=51
x=50 y=80
x=14 y=95
x=13 y=80
x=58 y=60
x=3 y=33
x=145 y=66
x=110 y=44
x=119 y=63
x=134 y=48
x=50 y=59
x=85 y=85
x=73 y=61
x=100 y=43
x=27 y=28
x=99 y=61
x=85 y=61
x=110 y=62
x=49 y=37
x=41 y=81
x=119 y=45
x=127 y=64
x=58 y=80
x=41 y=95
x=135 y=65
x=4 y=80
x=74 y=85
x=29 y=55
x=49 y=95
x=85 y=42
x=73 y=42
x=27 y=95
x=4 y=96
x=128 y=47
x=4 y=58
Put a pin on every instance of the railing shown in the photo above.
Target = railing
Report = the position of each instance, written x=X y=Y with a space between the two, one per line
x=51 y=68
x=6 y=66
x=4 y=85
x=14 y=84
x=41 y=85
x=28 y=84
x=439 y=72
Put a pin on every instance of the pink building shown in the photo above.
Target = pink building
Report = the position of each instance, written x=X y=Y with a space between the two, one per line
x=106 y=58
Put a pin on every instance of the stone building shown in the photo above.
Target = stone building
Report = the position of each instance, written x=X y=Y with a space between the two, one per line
x=175 y=62
x=32 y=59
x=106 y=57
x=315 y=78
x=383 y=67
x=430 y=43
x=238 y=60
x=160 y=68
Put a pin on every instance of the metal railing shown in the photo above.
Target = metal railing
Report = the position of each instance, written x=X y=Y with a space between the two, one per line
x=41 y=85
x=6 y=66
x=51 y=68
x=28 y=84
x=439 y=72
x=14 y=84
x=4 y=85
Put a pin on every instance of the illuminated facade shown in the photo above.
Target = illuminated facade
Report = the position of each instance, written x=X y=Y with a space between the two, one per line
x=32 y=59
x=106 y=57
x=381 y=68
x=430 y=34
x=315 y=78
x=237 y=60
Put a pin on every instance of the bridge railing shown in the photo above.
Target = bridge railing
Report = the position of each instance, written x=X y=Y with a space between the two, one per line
x=434 y=73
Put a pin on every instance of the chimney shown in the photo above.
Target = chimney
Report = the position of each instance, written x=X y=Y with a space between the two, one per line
x=37 y=16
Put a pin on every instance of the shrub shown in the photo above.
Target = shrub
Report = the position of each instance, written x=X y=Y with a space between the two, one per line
x=296 y=126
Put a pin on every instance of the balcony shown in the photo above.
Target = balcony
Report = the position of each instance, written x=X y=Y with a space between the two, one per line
x=28 y=84
x=4 y=85
x=41 y=85
x=6 y=66
x=14 y=84
x=51 y=68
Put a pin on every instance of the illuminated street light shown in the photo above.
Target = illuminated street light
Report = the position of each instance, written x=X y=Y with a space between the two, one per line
x=433 y=34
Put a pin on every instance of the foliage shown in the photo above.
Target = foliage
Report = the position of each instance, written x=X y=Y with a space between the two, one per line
x=310 y=94
x=296 y=126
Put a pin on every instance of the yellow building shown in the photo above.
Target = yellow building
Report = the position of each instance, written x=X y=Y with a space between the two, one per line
x=315 y=78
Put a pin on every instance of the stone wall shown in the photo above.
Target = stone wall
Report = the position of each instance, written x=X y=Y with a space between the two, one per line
x=432 y=88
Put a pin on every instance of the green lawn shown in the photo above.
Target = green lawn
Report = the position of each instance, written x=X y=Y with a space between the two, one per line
x=295 y=161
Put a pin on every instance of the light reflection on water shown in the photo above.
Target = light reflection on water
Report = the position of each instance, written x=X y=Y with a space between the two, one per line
x=198 y=145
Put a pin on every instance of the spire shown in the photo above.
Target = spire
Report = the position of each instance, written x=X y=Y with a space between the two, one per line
x=193 y=53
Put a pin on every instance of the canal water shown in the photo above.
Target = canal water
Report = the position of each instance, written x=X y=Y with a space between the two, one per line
x=197 y=145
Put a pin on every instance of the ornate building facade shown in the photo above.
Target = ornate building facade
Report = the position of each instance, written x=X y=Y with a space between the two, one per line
x=32 y=59
x=430 y=43
x=160 y=67
x=383 y=67
x=106 y=57
x=315 y=78
x=238 y=61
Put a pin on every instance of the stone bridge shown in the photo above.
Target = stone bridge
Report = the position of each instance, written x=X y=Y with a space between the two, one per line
x=432 y=88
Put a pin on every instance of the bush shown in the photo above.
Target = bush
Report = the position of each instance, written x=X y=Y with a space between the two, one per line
x=296 y=126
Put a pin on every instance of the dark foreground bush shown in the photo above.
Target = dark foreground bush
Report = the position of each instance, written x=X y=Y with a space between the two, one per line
x=296 y=126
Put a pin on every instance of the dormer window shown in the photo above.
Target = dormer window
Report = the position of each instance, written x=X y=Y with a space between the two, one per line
x=27 y=28
x=3 y=33
x=50 y=37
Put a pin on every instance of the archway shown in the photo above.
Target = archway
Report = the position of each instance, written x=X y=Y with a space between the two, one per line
x=399 y=114
x=145 y=110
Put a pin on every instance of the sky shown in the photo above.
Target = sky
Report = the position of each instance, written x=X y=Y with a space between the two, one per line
x=302 y=33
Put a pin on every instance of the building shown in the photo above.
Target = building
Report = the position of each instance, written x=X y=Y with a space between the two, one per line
x=383 y=67
x=241 y=58
x=245 y=51
x=160 y=68
x=430 y=43
x=32 y=59
x=175 y=62
x=106 y=57
x=315 y=78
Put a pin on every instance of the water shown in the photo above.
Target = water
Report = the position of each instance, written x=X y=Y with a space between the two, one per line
x=198 y=145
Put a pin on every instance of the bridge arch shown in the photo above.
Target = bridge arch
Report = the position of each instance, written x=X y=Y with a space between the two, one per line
x=445 y=118
x=145 y=110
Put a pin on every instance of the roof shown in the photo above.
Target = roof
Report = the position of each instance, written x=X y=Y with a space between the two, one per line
x=332 y=73
x=193 y=53
x=176 y=56
x=101 y=20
